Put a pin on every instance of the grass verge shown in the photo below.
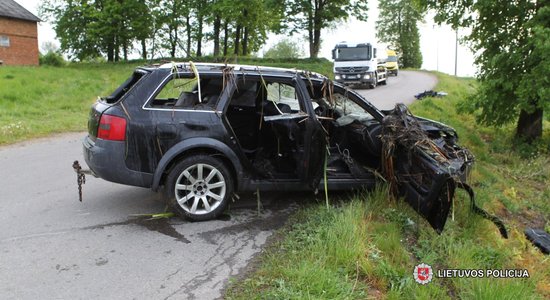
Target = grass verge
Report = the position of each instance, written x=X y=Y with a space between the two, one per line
x=367 y=247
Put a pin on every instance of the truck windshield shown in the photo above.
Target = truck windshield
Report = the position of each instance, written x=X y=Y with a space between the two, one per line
x=358 y=53
x=392 y=58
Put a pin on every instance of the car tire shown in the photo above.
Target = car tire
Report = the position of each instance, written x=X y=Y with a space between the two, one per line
x=199 y=187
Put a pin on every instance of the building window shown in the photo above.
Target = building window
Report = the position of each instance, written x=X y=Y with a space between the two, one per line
x=4 y=41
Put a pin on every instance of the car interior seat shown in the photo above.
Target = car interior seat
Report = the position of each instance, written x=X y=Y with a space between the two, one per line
x=187 y=99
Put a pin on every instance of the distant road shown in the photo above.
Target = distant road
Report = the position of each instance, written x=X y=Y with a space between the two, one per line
x=399 y=89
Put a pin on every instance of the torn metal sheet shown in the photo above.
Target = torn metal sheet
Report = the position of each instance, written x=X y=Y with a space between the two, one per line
x=423 y=163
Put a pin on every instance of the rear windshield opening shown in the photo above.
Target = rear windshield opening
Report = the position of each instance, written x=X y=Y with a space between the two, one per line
x=125 y=87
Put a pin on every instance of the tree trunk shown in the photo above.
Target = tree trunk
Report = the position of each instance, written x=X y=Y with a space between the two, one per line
x=188 y=31
x=125 y=50
x=110 y=51
x=217 y=24
x=310 y=34
x=117 y=49
x=529 y=125
x=245 y=35
x=317 y=26
x=225 y=37
x=199 y=36
x=143 y=49
x=172 y=41
x=237 y=38
x=245 y=41
x=316 y=42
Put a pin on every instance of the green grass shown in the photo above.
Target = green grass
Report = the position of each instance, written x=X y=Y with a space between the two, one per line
x=368 y=246
x=39 y=101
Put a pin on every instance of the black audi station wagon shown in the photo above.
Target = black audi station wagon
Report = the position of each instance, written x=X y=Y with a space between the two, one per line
x=202 y=132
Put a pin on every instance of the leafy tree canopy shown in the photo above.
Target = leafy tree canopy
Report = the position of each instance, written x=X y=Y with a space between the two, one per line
x=511 y=40
x=312 y=16
x=284 y=49
x=397 y=26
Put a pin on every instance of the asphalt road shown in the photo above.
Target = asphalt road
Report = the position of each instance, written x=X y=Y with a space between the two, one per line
x=54 y=247
x=400 y=89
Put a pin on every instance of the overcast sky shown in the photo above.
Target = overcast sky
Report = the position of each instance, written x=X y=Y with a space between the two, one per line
x=437 y=43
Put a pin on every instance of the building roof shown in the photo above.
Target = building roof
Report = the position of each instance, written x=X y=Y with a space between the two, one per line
x=11 y=9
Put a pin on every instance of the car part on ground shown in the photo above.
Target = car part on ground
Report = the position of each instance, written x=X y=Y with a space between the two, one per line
x=203 y=132
x=539 y=238
x=430 y=93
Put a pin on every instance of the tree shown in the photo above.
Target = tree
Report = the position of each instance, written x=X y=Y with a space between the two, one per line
x=49 y=46
x=397 y=26
x=170 y=17
x=90 y=28
x=511 y=42
x=70 y=20
x=314 y=15
x=284 y=49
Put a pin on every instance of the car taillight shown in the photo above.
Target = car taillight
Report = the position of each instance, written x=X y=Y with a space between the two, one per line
x=112 y=128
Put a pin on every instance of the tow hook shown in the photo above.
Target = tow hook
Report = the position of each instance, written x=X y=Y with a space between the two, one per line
x=81 y=177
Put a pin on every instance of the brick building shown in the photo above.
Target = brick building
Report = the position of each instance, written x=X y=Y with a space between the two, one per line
x=18 y=35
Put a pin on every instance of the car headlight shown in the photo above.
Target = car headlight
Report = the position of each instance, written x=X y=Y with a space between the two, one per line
x=337 y=77
x=366 y=76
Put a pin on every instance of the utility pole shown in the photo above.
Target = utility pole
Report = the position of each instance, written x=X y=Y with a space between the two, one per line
x=436 y=47
x=456 y=49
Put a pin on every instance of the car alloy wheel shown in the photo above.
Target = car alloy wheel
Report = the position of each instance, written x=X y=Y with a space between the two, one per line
x=199 y=187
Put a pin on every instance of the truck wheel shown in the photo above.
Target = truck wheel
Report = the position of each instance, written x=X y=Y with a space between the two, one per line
x=373 y=84
x=199 y=187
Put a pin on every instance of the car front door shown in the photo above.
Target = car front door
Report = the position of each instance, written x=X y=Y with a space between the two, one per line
x=315 y=140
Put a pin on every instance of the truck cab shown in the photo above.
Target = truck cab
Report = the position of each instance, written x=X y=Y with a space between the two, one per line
x=357 y=64
x=392 y=64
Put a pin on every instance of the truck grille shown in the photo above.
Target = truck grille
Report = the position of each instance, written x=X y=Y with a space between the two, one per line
x=351 y=70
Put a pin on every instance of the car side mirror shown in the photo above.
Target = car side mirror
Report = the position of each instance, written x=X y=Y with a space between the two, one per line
x=333 y=53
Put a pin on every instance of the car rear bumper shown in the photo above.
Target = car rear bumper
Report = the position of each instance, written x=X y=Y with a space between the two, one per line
x=107 y=160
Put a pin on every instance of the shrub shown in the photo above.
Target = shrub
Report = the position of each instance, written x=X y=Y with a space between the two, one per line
x=52 y=59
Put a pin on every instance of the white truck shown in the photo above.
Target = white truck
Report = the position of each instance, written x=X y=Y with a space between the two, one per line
x=357 y=64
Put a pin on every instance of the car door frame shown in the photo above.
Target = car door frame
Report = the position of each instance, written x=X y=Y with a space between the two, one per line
x=308 y=173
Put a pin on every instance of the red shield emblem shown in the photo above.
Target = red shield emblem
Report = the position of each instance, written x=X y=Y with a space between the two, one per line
x=423 y=273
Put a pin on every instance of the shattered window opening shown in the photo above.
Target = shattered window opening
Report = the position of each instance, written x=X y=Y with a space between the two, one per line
x=283 y=94
x=266 y=117
x=181 y=92
x=125 y=87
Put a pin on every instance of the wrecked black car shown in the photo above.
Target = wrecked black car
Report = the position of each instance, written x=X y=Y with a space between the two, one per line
x=202 y=132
